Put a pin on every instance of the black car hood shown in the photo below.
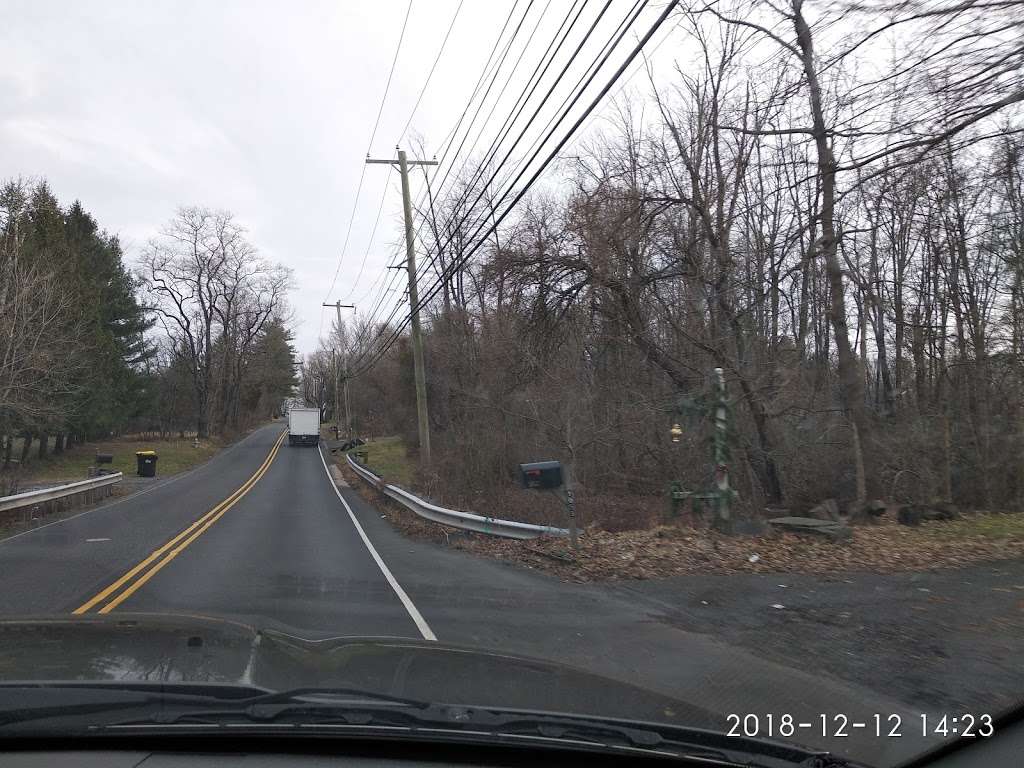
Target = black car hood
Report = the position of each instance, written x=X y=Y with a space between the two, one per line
x=174 y=649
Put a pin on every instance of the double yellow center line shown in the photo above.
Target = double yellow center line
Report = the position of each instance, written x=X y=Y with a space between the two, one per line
x=125 y=586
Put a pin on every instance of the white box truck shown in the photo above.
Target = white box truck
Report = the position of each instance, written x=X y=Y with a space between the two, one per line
x=303 y=426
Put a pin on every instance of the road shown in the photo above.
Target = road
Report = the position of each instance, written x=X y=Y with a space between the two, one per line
x=260 y=533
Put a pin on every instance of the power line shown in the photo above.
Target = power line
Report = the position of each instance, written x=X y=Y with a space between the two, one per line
x=591 y=70
x=517 y=108
x=624 y=83
x=618 y=90
x=483 y=99
x=434 y=289
x=531 y=85
x=509 y=123
x=603 y=59
x=550 y=158
x=362 y=172
x=373 y=232
x=450 y=139
x=507 y=126
x=454 y=130
x=599 y=61
x=430 y=74
x=387 y=87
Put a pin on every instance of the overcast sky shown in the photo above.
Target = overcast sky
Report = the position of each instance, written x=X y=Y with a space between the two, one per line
x=263 y=109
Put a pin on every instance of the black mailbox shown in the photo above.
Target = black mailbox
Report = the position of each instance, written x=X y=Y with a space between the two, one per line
x=541 y=474
x=104 y=458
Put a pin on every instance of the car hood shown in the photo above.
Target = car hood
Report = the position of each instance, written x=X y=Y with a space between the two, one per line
x=172 y=649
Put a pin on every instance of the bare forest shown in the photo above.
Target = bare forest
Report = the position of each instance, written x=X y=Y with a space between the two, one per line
x=825 y=202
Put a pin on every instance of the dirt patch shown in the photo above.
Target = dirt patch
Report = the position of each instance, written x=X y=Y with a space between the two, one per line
x=674 y=550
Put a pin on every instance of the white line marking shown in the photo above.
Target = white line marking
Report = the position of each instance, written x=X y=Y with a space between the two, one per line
x=247 y=673
x=90 y=541
x=417 y=617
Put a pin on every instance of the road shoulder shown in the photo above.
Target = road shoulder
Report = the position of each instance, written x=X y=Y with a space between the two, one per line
x=801 y=641
x=129 y=488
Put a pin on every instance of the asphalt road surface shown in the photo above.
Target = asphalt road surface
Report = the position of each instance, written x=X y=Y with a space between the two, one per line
x=260 y=533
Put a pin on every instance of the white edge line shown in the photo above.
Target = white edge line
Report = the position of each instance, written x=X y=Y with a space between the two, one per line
x=132 y=496
x=417 y=617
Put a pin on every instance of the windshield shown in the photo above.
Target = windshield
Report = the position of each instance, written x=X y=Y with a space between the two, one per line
x=658 y=362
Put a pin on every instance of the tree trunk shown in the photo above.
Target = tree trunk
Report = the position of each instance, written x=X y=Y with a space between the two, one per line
x=805 y=301
x=26 y=446
x=58 y=444
x=203 y=407
x=862 y=334
x=849 y=380
x=947 y=457
x=8 y=445
x=765 y=468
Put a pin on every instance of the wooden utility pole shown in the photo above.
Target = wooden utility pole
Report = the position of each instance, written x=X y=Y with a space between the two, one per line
x=337 y=396
x=403 y=164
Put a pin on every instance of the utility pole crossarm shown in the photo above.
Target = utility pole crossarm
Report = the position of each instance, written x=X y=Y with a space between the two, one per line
x=397 y=162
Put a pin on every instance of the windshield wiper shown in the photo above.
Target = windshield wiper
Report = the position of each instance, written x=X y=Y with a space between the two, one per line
x=333 y=710
x=316 y=707
x=184 y=689
x=111 y=707
x=299 y=704
x=297 y=697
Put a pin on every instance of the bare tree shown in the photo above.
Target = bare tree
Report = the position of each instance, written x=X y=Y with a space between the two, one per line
x=211 y=291
x=35 y=340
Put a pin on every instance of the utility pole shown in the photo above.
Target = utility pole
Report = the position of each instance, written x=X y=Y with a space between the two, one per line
x=417 y=338
x=337 y=397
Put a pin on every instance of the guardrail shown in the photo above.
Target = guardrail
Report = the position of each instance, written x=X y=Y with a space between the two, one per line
x=31 y=499
x=452 y=517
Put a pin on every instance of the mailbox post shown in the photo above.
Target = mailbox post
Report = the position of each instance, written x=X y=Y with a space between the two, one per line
x=548 y=476
x=569 y=499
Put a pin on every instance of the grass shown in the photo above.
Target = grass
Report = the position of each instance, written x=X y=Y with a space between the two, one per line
x=994 y=525
x=387 y=457
x=173 y=456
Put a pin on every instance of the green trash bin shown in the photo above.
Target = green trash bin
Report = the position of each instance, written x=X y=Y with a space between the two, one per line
x=146 y=463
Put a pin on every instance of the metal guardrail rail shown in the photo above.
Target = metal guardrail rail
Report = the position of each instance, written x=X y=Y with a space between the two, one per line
x=31 y=498
x=452 y=517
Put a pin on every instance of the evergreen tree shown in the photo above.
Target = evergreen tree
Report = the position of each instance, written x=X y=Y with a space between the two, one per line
x=115 y=324
x=273 y=371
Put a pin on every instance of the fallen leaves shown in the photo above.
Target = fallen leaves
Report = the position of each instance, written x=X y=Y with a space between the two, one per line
x=672 y=550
